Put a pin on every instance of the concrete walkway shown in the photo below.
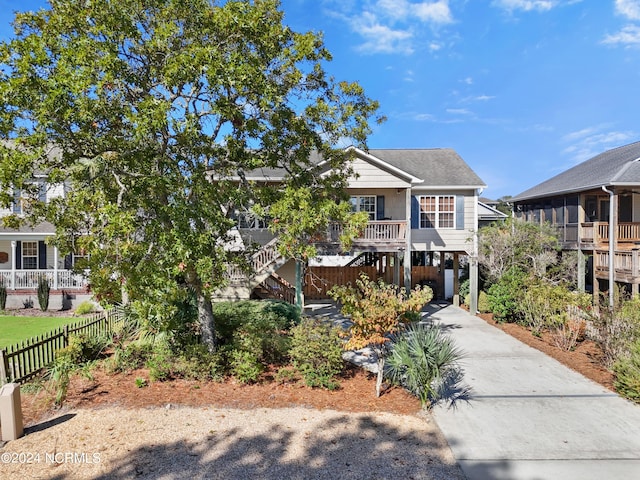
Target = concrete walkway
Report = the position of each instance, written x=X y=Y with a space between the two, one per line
x=529 y=417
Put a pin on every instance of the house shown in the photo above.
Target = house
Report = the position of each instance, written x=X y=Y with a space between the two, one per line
x=423 y=218
x=596 y=208
x=25 y=257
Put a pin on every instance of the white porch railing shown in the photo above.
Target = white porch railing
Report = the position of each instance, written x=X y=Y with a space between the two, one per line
x=378 y=231
x=28 y=279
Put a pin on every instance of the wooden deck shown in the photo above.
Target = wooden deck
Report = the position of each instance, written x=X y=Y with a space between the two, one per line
x=626 y=265
x=596 y=235
x=378 y=236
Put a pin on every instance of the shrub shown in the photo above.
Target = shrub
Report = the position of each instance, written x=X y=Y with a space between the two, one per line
x=627 y=371
x=85 y=307
x=160 y=365
x=254 y=334
x=464 y=290
x=419 y=358
x=230 y=316
x=132 y=356
x=3 y=296
x=245 y=366
x=483 y=302
x=505 y=296
x=377 y=311
x=43 y=292
x=615 y=331
x=316 y=352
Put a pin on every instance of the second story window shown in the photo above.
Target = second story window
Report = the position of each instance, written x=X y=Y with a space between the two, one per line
x=364 y=204
x=437 y=211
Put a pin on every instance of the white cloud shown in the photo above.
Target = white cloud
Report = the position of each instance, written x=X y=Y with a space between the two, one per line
x=526 y=5
x=459 y=111
x=629 y=8
x=629 y=35
x=423 y=117
x=393 y=26
x=468 y=81
x=381 y=38
x=591 y=141
x=437 y=12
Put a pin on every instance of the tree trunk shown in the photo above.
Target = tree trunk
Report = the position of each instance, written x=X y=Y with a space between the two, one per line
x=206 y=321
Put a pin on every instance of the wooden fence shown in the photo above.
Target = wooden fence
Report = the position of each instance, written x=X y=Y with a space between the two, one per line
x=24 y=360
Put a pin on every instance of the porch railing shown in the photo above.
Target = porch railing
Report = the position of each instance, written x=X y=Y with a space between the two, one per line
x=375 y=231
x=28 y=279
x=627 y=263
x=597 y=233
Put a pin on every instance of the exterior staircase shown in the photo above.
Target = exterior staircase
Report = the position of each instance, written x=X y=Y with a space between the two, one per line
x=262 y=281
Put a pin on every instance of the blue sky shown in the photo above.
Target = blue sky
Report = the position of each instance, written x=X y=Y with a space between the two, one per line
x=521 y=89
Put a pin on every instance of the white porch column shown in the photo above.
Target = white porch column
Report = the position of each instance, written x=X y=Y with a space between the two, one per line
x=55 y=267
x=407 y=248
x=13 y=264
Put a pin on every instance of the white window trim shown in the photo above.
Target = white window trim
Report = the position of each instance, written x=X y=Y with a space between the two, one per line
x=36 y=256
x=355 y=202
x=437 y=212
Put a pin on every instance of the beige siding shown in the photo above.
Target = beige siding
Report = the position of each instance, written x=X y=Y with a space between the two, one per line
x=447 y=239
x=371 y=176
x=394 y=201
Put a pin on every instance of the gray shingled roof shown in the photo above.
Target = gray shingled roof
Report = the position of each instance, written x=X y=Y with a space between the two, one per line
x=44 y=228
x=618 y=166
x=437 y=167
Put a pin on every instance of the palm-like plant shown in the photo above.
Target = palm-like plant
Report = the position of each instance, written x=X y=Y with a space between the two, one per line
x=421 y=358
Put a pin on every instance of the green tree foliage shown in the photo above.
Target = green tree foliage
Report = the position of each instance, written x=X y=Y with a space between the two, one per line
x=153 y=114
x=377 y=310
x=528 y=247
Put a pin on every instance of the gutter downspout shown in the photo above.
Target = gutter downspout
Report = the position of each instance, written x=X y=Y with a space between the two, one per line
x=612 y=246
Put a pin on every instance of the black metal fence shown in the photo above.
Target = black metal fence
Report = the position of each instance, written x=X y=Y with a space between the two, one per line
x=24 y=360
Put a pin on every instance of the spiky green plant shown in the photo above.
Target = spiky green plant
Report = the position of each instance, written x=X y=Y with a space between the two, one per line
x=3 y=296
x=43 y=293
x=420 y=358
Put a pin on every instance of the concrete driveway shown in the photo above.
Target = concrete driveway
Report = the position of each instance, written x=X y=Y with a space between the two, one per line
x=529 y=417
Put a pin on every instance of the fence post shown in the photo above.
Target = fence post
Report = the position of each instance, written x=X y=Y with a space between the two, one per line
x=4 y=367
x=65 y=336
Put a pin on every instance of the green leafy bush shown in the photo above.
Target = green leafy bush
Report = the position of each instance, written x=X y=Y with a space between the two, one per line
x=627 y=371
x=419 y=358
x=615 y=331
x=464 y=290
x=483 y=302
x=316 y=352
x=85 y=307
x=505 y=296
x=245 y=366
x=230 y=316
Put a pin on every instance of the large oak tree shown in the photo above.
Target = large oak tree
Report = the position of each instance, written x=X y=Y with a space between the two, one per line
x=153 y=114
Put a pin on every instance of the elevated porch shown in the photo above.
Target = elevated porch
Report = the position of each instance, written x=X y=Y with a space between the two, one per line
x=377 y=236
x=595 y=235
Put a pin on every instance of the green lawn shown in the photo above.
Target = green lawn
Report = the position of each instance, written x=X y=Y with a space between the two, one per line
x=18 y=329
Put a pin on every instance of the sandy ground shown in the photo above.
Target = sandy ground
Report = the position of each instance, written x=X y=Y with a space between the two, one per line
x=202 y=443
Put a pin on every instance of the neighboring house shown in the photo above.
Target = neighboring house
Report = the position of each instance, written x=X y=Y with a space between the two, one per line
x=423 y=210
x=25 y=256
x=488 y=213
x=596 y=208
